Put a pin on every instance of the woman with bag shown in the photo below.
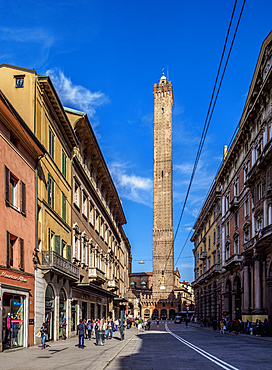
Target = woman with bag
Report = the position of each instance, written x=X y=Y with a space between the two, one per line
x=43 y=332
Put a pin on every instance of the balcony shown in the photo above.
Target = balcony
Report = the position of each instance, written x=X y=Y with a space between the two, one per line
x=52 y=261
x=234 y=260
x=234 y=203
x=203 y=256
x=96 y=276
x=113 y=284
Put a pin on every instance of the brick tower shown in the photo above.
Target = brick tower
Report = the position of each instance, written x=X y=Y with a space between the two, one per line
x=163 y=246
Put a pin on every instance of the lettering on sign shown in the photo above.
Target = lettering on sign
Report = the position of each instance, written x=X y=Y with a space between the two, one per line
x=13 y=277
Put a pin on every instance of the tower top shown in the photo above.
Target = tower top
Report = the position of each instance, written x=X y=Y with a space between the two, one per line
x=163 y=79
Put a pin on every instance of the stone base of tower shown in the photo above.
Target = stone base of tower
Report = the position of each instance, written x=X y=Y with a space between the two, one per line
x=155 y=307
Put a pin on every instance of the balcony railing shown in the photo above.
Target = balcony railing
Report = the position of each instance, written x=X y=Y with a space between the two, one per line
x=234 y=203
x=234 y=260
x=50 y=260
x=97 y=276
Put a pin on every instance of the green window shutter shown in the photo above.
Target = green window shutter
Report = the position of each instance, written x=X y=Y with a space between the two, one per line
x=8 y=250
x=64 y=207
x=69 y=253
x=7 y=182
x=57 y=243
x=63 y=164
x=53 y=146
x=48 y=188
x=49 y=141
x=53 y=193
x=23 y=198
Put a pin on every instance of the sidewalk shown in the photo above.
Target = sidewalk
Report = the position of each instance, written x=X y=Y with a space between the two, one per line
x=197 y=326
x=66 y=355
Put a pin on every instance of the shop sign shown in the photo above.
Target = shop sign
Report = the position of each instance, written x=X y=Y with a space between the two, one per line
x=13 y=277
x=31 y=321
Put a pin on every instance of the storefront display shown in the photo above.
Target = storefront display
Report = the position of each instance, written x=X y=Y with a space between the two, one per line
x=13 y=321
x=62 y=309
x=49 y=312
x=73 y=315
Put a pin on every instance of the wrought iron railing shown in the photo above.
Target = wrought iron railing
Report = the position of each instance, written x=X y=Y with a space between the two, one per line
x=51 y=259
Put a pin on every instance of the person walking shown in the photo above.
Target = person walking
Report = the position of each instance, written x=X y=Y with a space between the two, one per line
x=63 y=326
x=81 y=329
x=116 y=322
x=96 y=326
x=43 y=335
x=89 y=328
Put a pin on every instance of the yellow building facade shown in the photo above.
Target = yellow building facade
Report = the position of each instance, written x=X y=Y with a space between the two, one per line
x=35 y=98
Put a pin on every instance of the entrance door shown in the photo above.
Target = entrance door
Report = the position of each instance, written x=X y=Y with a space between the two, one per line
x=84 y=310
x=62 y=310
x=49 y=312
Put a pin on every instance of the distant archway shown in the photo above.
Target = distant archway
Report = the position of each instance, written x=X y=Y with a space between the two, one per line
x=146 y=314
x=172 y=314
x=163 y=314
x=155 y=314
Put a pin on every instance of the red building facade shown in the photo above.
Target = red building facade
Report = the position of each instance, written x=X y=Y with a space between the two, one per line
x=19 y=153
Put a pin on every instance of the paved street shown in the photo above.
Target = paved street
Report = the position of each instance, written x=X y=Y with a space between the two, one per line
x=163 y=347
x=193 y=349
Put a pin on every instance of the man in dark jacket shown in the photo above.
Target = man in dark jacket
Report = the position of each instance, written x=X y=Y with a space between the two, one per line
x=81 y=329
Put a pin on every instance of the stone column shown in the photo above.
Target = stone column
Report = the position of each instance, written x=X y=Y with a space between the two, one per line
x=257 y=283
x=56 y=318
x=233 y=313
x=246 y=303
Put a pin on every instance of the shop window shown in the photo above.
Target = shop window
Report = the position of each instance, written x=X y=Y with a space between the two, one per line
x=13 y=320
x=49 y=311
x=73 y=315
x=62 y=312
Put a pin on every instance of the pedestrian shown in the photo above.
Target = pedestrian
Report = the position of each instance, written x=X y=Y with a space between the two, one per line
x=116 y=322
x=63 y=326
x=81 y=329
x=96 y=326
x=222 y=326
x=43 y=335
x=236 y=326
x=109 y=329
x=89 y=328
x=247 y=327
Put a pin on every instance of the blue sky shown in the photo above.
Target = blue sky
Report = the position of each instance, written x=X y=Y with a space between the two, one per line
x=104 y=57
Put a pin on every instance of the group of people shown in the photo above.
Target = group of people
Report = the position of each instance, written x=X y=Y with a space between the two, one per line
x=258 y=328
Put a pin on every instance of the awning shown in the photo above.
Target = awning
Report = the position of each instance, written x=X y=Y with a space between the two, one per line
x=120 y=299
x=90 y=288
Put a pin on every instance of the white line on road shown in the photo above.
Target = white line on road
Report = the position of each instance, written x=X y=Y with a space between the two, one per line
x=210 y=357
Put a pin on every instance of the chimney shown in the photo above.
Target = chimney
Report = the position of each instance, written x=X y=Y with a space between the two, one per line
x=225 y=151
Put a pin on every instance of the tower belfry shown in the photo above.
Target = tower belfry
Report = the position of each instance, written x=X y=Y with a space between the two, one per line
x=163 y=248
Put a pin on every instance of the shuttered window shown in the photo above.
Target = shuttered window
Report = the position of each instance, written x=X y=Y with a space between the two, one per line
x=21 y=254
x=51 y=143
x=69 y=253
x=63 y=164
x=57 y=244
x=50 y=191
x=8 y=250
x=7 y=182
x=23 y=198
x=64 y=207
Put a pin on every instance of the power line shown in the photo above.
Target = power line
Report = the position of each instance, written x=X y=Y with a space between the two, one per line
x=210 y=111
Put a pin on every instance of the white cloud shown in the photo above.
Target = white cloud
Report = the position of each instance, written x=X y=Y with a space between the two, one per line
x=38 y=39
x=77 y=96
x=136 y=188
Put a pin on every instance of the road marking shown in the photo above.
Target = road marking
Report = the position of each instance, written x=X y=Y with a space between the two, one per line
x=210 y=357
